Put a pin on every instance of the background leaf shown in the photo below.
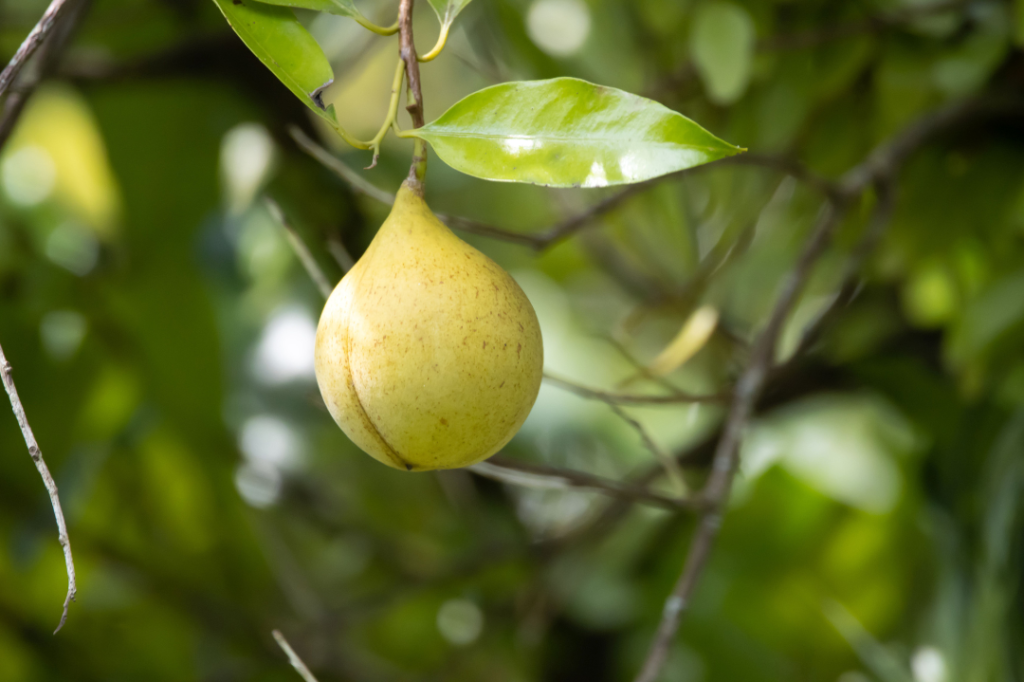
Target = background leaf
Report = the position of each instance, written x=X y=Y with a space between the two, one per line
x=447 y=10
x=566 y=132
x=722 y=47
x=285 y=47
x=344 y=8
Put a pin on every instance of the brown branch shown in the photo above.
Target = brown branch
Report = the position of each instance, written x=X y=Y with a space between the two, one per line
x=34 y=39
x=725 y=461
x=634 y=398
x=880 y=166
x=407 y=50
x=52 y=38
x=363 y=186
x=6 y=375
x=301 y=250
x=555 y=478
x=667 y=461
x=412 y=64
x=341 y=255
x=293 y=657
x=332 y=163
x=566 y=228
x=850 y=284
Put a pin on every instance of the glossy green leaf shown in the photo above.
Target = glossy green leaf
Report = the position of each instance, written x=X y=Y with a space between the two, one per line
x=566 y=132
x=722 y=47
x=285 y=47
x=447 y=10
x=345 y=8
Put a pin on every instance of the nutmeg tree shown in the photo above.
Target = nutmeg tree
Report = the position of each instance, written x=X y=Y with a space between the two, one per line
x=640 y=403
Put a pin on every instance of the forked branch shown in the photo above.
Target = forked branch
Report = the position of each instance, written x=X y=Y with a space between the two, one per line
x=880 y=167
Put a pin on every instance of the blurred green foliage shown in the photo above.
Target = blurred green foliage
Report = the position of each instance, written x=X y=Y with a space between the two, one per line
x=160 y=332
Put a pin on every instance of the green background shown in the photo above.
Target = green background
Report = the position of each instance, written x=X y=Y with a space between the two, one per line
x=158 y=325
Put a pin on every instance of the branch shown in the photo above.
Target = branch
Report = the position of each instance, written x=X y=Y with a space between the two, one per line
x=849 y=286
x=407 y=50
x=554 y=478
x=725 y=460
x=301 y=250
x=34 y=39
x=667 y=462
x=881 y=166
x=363 y=186
x=293 y=657
x=52 y=45
x=6 y=374
x=633 y=398
x=566 y=228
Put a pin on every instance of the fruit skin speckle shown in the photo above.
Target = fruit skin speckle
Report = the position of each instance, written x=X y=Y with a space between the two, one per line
x=458 y=373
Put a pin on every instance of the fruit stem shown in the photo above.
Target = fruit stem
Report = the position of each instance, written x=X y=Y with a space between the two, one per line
x=389 y=122
x=407 y=50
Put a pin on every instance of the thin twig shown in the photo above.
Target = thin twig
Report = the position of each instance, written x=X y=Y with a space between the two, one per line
x=554 y=478
x=34 y=39
x=339 y=168
x=341 y=255
x=850 y=283
x=293 y=657
x=667 y=461
x=6 y=374
x=299 y=246
x=362 y=186
x=634 y=398
x=563 y=229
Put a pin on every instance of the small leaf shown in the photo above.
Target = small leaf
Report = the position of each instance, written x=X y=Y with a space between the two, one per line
x=285 y=47
x=567 y=132
x=344 y=8
x=447 y=10
x=722 y=47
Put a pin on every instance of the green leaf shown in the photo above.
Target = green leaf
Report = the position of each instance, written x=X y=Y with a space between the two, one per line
x=447 y=10
x=567 y=132
x=344 y=8
x=285 y=47
x=722 y=47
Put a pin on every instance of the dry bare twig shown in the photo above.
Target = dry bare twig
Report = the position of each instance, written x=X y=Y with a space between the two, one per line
x=6 y=374
x=676 y=398
x=301 y=250
x=293 y=657
x=555 y=478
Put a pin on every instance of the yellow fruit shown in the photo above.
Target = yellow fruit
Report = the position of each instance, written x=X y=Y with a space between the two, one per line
x=428 y=354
